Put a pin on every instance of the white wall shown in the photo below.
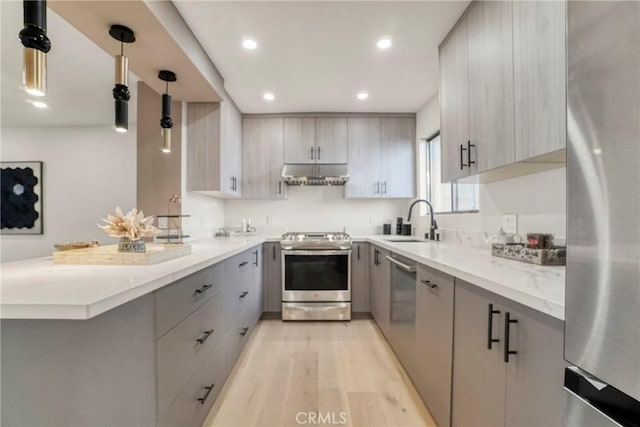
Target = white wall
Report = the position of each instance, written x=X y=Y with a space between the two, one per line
x=87 y=172
x=207 y=213
x=538 y=199
x=315 y=208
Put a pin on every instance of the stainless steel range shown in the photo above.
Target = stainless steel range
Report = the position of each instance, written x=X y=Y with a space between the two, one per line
x=316 y=276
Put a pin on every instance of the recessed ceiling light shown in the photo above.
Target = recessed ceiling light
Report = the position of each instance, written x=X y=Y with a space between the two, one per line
x=249 y=44
x=269 y=96
x=384 y=43
x=362 y=95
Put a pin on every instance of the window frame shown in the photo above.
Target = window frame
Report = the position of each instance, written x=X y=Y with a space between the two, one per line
x=453 y=186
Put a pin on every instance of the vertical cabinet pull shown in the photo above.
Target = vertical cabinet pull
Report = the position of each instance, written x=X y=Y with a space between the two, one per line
x=279 y=188
x=231 y=183
x=311 y=155
x=377 y=186
x=208 y=391
x=318 y=152
x=507 y=329
x=490 y=339
x=358 y=251
x=244 y=331
x=256 y=255
x=462 y=163
x=469 y=162
x=376 y=260
x=384 y=187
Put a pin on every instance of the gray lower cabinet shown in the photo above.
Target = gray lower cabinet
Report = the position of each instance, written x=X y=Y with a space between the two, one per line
x=492 y=387
x=380 y=291
x=272 y=270
x=433 y=351
x=360 y=278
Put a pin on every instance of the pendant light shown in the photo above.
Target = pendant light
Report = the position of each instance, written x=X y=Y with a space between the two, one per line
x=121 y=93
x=36 y=44
x=166 y=123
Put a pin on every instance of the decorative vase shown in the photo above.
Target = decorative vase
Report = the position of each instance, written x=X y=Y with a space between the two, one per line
x=132 y=246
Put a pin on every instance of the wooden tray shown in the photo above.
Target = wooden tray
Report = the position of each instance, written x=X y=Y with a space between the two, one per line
x=109 y=255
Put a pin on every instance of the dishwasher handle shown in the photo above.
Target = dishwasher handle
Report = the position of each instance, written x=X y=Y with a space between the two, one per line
x=402 y=265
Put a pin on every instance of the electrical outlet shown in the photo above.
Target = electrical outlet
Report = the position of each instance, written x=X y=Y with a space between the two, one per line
x=510 y=223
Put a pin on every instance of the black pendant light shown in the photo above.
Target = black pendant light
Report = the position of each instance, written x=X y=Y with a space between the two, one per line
x=36 y=44
x=121 y=93
x=166 y=123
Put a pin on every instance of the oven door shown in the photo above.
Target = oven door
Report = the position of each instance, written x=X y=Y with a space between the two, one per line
x=321 y=276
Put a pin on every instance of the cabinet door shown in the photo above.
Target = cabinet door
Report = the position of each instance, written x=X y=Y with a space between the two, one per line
x=478 y=373
x=380 y=288
x=434 y=342
x=398 y=157
x=299 y=140
x=535 y=375
x=360 y=278
x=203 y=146
x=364 y=158
x=230 y=148
x=331 y=140
x=262 y=157
x=539 y=67
x=273 y=278
x=454 y=103
x=490 y=44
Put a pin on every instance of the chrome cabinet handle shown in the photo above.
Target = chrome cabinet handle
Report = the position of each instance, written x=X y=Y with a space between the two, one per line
x=256 y=261
x=490 y=338
x=208 y=391
x=244 y=331
x=469 y=145
x=279 y=188
x=429 y=284
x=203 y=289
x=318 y=152
x=377 y=190
x=244 y=294
x=205 y=336
x=402 y=265
x=311 y=156
x=507 y=329
x=384 y=187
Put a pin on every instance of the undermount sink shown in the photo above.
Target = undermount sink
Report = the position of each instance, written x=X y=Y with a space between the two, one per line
x=404 y=240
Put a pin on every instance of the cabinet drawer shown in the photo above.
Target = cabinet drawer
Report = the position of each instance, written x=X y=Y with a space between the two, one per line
x=183 y=350
x=240 y=287
x=237 y=337
x=175 y=302
x=192 y=404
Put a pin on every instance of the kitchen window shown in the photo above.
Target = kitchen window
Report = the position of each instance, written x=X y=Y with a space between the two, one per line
x=445 y=197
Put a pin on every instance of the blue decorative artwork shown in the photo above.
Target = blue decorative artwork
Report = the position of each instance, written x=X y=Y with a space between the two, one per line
x=21 y=198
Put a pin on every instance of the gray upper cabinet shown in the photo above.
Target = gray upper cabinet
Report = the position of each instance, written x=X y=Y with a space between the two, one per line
x=299 y=140
x=539 y=54
x=398 y=158
x=503 y=89
x=490 y=47
x=331 y=140
x=454 y=105
x=364 y=158
x=262 y=157
x=381 y=157
x=214 y=148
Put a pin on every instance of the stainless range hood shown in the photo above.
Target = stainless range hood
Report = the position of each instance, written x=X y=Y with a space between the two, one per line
x=315 y=174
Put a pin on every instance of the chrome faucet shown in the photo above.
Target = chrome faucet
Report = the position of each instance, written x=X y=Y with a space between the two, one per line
x=431 y=235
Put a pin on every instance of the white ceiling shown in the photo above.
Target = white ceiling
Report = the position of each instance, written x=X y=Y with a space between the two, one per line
x=79 y=77
x=315 y=56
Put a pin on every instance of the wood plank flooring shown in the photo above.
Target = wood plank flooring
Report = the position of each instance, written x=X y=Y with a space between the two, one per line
x=318 y=373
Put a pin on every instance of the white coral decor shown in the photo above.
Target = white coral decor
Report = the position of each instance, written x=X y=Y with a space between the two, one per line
x=133 y=225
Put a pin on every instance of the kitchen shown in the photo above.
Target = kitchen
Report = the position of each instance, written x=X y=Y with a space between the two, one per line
x=281 y=163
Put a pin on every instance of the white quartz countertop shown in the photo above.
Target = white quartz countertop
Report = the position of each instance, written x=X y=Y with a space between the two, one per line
x=39 y=289
x=537 y=287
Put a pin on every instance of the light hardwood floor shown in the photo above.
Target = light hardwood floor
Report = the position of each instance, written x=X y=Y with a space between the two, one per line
x=328 y=368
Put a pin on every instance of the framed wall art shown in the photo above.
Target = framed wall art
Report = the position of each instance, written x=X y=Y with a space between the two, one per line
x=21 y=198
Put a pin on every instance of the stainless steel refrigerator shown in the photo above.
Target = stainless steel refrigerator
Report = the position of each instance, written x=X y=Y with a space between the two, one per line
x=602 y=325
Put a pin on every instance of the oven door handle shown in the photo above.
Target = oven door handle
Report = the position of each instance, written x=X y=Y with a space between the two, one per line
x=402 y=265
x=320 y=252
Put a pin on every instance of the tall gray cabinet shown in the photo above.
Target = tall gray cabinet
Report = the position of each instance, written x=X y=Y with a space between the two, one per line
x=262 y=157
x=272 y=270
x=360 y=278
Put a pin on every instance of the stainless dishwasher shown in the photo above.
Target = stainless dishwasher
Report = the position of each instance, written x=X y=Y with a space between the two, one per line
x=402 y=316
